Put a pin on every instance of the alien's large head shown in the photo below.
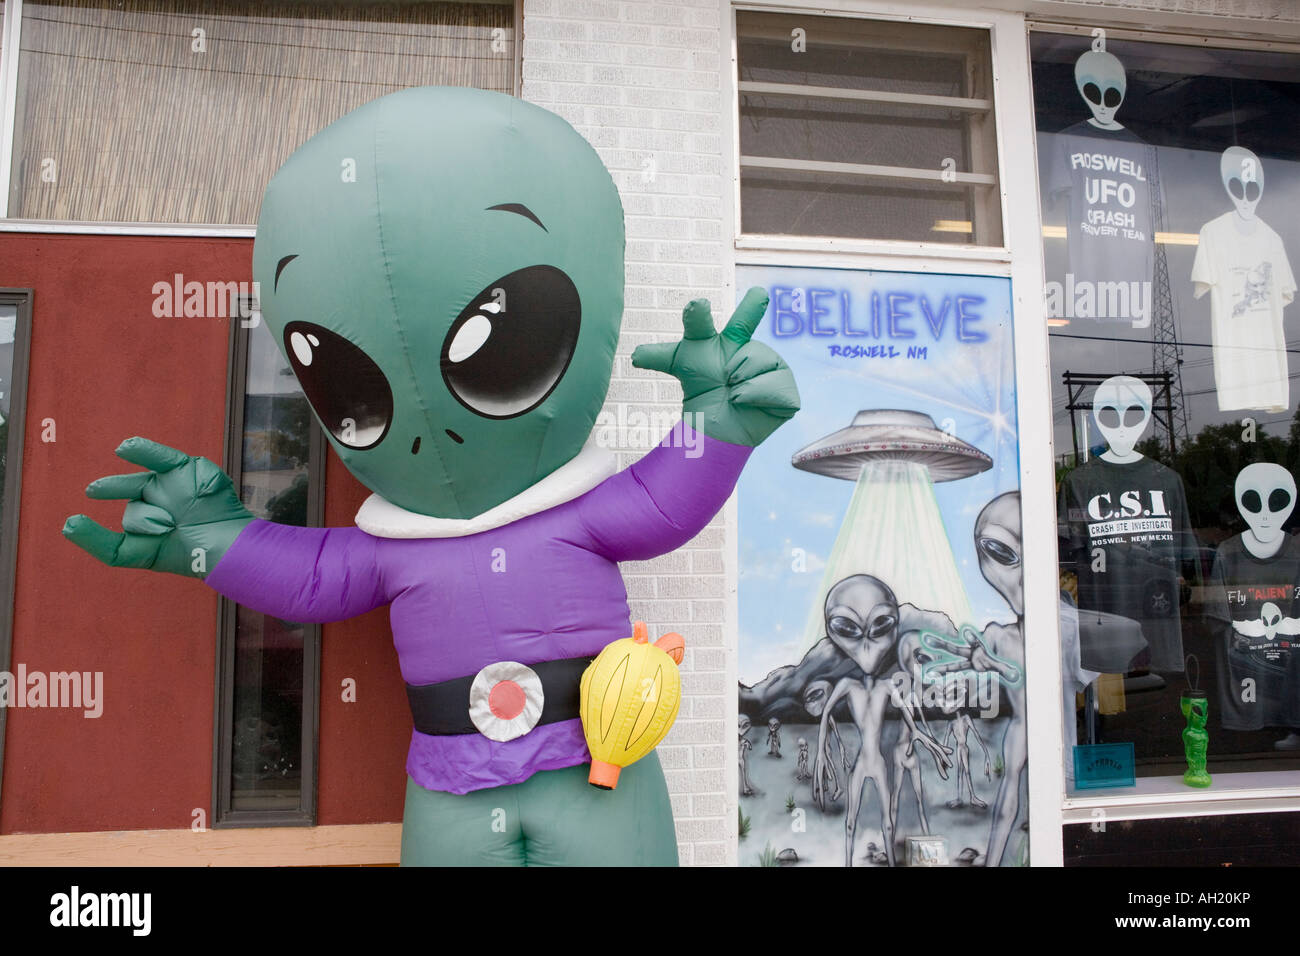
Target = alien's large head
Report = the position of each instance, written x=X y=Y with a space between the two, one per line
x=1265 y=494
x=815 y=696
x=998 y=544
x=1122 y=407
x=443 y=268
x=862 y=621
x=1099 y=78
x=1242 y=175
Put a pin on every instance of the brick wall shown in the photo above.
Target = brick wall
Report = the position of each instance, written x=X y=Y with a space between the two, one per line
x=640 y=80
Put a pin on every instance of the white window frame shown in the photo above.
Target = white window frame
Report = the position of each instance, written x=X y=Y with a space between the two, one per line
x=755 y=243
x=1022 y=262
x=1164 y=797
x=1020 y=259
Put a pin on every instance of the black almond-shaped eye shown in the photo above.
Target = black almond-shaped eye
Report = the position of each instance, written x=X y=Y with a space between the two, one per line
x=999 y=552
x=510 y=346
x=882 y=625
x=1092 y=93
x=1113 y=96
x=1251 y=502
x=1252 y=190
x=845 y=628
x=1109 y=417
x=1133 y=415
x=1279 y=499
x=1235 y=187
x=346 y=388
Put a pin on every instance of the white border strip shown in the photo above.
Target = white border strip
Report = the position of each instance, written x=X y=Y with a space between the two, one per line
x=125 y=228
x=9 y=43
x=1156 y=797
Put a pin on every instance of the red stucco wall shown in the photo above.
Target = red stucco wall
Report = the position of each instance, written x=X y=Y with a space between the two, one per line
x=104 y=368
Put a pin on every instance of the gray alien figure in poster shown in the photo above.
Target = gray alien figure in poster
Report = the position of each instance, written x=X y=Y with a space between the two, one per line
x=881 y=600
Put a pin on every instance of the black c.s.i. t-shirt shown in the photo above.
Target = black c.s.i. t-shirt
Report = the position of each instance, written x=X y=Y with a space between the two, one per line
x=1129 y=532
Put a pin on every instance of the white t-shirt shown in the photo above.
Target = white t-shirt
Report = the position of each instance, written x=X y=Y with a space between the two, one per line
x=1250 y=281
x=1075 y=678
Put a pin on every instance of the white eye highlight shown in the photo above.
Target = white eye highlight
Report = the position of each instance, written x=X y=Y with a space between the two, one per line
x=301 y=347
x=470 y=338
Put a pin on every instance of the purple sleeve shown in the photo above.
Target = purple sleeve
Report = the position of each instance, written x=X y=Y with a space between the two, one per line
x=302 y=574
x=663 y=500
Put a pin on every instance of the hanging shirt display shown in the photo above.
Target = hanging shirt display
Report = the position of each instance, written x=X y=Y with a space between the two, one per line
x=1128 y=528
x=1074 y=680
x=1110 y=227
x=1250 y=281
x=1255 y=606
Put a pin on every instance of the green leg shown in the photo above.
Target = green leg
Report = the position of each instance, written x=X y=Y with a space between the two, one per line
x=473 y=829
x=568 y=822
x=554 y=818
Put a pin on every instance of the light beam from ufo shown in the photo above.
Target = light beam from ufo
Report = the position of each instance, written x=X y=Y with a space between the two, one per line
x=893 y=529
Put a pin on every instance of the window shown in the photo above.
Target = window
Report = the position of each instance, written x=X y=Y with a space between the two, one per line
x=15 y=338
x=170 y=111
x=866 y=129
x=1169 y=174
x=268 y=691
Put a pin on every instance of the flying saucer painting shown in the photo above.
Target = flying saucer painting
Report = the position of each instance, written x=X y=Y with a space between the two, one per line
x=893 y=528
x=890 y=434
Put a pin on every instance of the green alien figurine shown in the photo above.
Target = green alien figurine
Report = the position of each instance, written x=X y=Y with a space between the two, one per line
x=1196 y=740
x=443 y=270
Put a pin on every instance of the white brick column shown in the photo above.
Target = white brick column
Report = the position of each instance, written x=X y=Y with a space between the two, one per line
x=640 y=80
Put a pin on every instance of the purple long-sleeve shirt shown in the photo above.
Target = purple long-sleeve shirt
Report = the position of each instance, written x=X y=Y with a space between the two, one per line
x=544 y=587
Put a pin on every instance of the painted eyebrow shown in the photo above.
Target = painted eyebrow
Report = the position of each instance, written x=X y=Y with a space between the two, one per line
x=518 y=209
x=279 y=267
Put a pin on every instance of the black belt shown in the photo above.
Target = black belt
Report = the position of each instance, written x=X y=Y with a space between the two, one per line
x=442 y=709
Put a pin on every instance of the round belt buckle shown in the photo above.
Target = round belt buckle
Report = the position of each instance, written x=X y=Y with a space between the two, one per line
x=505 y=700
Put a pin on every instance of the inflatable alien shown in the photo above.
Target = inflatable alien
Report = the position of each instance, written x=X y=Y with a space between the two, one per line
x=443 y=269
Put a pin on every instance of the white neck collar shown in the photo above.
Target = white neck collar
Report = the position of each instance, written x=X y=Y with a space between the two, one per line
x=383 y=519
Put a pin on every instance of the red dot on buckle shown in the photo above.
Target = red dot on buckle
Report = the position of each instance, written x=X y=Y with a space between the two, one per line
x=506 y=700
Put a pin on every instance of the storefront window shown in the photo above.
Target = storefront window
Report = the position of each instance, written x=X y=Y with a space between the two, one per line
x=179 y=112
x=866 y=129
x=1170 y=175
x=15 y=338
x=268 y=672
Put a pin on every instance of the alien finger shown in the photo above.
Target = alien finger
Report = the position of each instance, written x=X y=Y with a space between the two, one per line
x=773 y=392
x=93 y=538
x=748 y=314
x=938 y=643
x=657 y=357
x=113 y=487
x=151 y=454
x=697 y=320
x=750 y=361
x=951 y=667
x=142 y=518
x=209 y=478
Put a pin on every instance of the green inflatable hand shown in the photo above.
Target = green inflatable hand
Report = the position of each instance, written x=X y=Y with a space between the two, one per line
x=181 y=515
x=733 y=389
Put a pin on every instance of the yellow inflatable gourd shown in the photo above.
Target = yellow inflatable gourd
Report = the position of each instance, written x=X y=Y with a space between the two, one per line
x=630 y=696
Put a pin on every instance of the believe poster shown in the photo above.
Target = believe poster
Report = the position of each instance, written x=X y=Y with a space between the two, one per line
x=881 y=699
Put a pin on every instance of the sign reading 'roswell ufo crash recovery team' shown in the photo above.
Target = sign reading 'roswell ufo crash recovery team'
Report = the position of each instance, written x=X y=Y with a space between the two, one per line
x=881 y=698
